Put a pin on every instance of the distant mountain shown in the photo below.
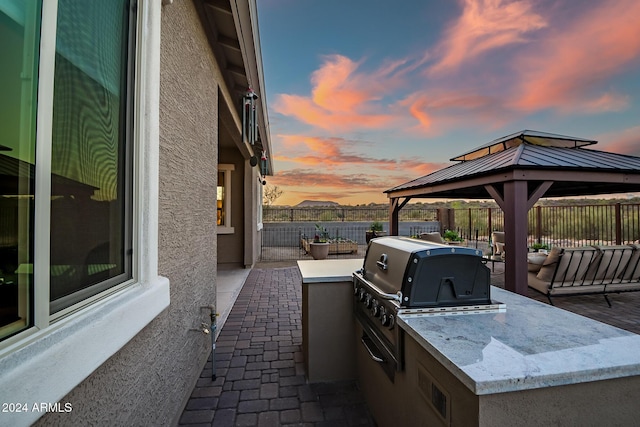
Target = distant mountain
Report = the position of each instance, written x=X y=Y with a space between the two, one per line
x=316 y=204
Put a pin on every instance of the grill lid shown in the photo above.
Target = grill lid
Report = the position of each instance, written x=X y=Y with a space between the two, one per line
x=428 y=274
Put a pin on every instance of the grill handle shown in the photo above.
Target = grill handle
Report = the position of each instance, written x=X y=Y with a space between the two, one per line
x=382 y=264
x=392 y=297
x=375 y=355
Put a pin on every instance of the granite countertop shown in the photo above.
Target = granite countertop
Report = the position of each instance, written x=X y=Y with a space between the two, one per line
x=531 y=345
x=329 y=270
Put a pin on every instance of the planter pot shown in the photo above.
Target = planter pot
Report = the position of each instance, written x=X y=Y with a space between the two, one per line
x=372 y=234
x=319 y=250
x=456 y=242
x=343 y=247
x=335 y=248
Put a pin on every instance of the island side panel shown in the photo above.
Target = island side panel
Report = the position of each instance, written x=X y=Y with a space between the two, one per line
x=327 y=319
x=611 y=402
x=328 y=329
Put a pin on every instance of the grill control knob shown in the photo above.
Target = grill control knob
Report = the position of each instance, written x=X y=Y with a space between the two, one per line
x=361 y=294
x=388 y=320
x=368 y=301
x=375 y=310
x=384 y=319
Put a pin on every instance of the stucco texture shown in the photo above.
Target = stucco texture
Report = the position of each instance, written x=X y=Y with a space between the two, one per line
x=148 y=381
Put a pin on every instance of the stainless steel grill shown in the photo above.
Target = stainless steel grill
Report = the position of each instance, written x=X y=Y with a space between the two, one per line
x=415 y=278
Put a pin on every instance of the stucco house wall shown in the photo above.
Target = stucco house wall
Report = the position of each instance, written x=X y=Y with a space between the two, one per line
x=149 y=380
x=131 y=355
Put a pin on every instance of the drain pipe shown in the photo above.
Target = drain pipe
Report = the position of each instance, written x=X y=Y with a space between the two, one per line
x=214 y=328
x=210 y=329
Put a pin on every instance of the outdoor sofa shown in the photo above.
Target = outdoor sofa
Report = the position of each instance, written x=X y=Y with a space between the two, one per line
x=433 y=237
x=588 y=270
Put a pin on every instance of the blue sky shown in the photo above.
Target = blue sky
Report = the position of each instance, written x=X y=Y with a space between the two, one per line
x=365 y=95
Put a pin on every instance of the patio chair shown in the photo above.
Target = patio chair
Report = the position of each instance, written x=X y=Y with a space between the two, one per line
x=497 y=242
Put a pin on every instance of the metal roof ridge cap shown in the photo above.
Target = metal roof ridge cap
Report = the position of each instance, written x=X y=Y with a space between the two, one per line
x=519 y=152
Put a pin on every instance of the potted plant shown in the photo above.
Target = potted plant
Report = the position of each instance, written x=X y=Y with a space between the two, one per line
x=319 y=248
x=452 y=237
x=536 y=247
x=375 y=230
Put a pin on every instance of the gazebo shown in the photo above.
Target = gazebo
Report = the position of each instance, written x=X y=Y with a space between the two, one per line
x=516 y=171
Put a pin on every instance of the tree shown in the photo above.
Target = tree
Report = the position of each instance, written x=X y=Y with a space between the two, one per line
x=271 y=194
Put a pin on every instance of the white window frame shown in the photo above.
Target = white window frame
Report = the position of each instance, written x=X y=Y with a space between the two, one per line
x=226 y=169
x=36 y=364
x=260 y=195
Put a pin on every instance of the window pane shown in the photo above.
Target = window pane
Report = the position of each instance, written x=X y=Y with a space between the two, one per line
x=221 y=199
x=90 y=178
x=20 y=35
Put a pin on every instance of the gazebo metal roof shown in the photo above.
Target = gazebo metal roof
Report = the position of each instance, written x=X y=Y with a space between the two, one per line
x=533 y=137
x=575 y=171
x=516 y=171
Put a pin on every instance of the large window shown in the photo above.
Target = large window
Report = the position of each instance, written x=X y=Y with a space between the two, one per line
x=224 y=199
x=65 y=204
x=90 y=161
x=20 y=35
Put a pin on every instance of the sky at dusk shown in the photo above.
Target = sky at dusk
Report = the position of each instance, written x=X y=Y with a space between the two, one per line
x=366 y=95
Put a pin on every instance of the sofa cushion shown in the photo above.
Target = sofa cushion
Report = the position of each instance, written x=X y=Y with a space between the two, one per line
x=611 y=263
x=535 y=261
x=572 y=288
x=537 y=284
x=577 y=262
x=623 y=286
x=572 y=265
x=632 y=272
x=549 y=265
x=433 y=237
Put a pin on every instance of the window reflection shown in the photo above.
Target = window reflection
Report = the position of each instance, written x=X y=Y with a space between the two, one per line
x=20 y=33
x=89 y=190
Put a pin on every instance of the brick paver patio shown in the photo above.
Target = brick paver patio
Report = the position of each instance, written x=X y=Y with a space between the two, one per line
x=259 y=367
x=260 y=372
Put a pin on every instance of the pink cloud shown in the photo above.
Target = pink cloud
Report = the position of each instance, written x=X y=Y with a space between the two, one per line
x=626 y=141
x=330 y=153
x=342 y=98
x=565 y=70
x=562 y=67
x=485 y=25
x=436 y=111
x=365 y=187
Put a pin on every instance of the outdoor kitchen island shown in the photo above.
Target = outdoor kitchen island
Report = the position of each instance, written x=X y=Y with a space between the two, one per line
x=327 y=319
x=533 y=364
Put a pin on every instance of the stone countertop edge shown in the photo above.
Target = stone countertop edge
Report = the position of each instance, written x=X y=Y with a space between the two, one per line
x=329 y=270
x=520 y=350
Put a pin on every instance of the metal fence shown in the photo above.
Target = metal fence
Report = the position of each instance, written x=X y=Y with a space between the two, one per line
x=585 y=225
x=576 y=225
x=344 y=214
x=290 y=243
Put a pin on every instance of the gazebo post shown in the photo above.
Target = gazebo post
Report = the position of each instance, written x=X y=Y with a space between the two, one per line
x=394 y=209
x=516 y=230
x=393 y=217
